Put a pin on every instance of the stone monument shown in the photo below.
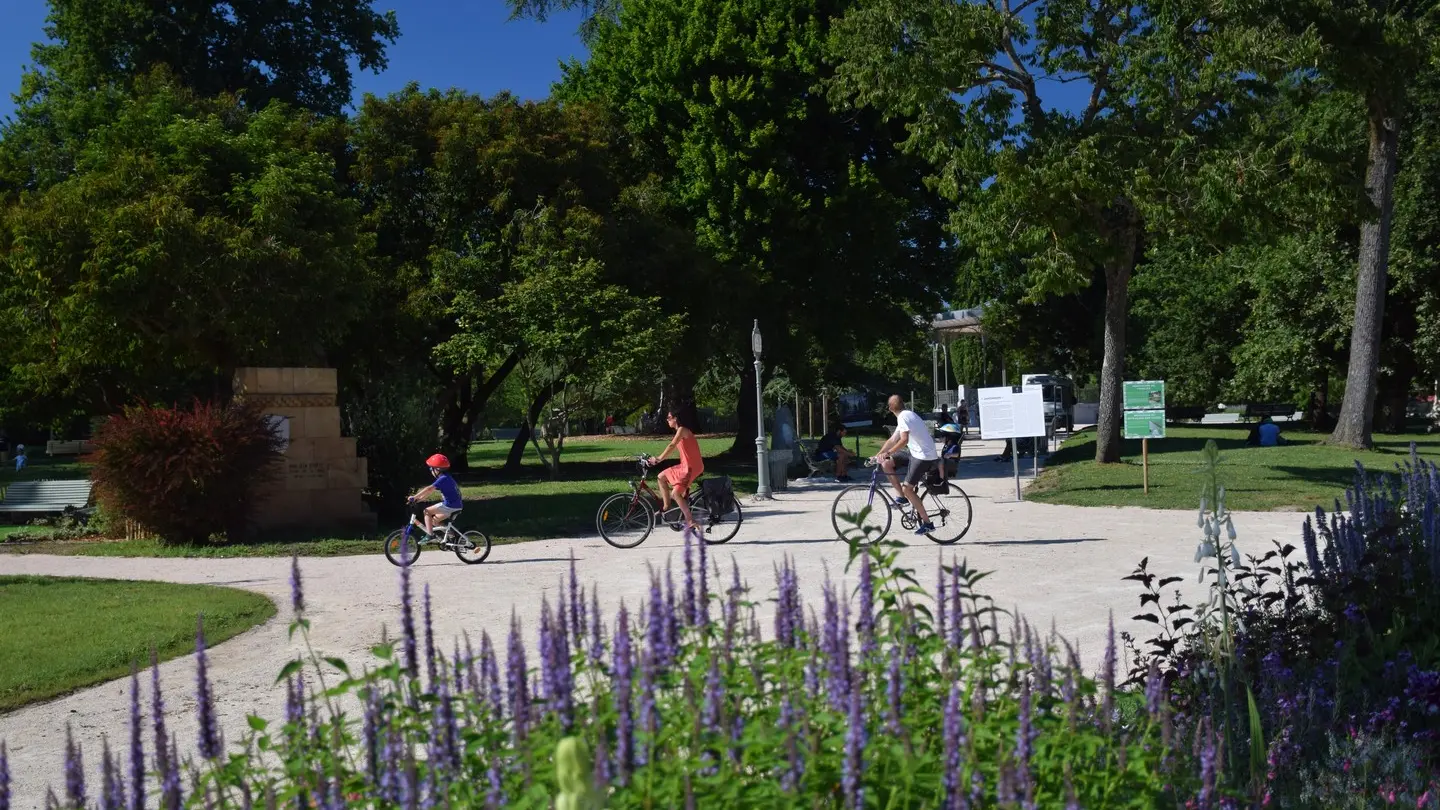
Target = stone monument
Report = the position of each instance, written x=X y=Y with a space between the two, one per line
x=321 y=477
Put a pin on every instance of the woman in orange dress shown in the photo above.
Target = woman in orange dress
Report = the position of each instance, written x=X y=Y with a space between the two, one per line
x=675 y=482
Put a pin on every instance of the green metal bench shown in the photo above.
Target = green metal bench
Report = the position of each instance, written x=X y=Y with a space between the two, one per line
x=43 y=497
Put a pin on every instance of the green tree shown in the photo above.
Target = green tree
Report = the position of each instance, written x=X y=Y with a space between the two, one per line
x=193 y=236
x=299 y=52
x=813 y=221
x=1063 y=192
x=1373 y=50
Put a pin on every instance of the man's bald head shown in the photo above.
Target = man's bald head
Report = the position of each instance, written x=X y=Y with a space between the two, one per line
x=897 y=404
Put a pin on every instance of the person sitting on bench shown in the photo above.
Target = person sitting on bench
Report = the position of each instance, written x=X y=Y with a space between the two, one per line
x=832 y=447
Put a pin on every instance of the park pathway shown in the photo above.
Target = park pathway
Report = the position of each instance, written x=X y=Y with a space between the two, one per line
x=1054 y=563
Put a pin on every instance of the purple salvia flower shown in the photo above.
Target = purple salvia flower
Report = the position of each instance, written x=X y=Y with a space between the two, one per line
x=562 y=624
x=894 y=693
x=430 y=654
x=1154 y=687
x=957 y=610
x=74 y=771
x=836 y=655
x=372 y=730
x=690 y=616
x=515 y=678
x=391 y=766
x=563 y=697
x=1208 y=773
x=597 y=631
x=297 y=592
x=166 y=768
x=112 y=791
x=4 y=778
x=737 y=733
x=137 y=746
x=784 y=616
x=210 y=741
x=672 y=619
x=649 y=714
x=1107 y=677
x=407 y=623
x=624 y=668
x=950 y=729
x=855 y=739
x=444 y=751
x=547 y=650
x=577 y=604
x=942 y=606
x=295 y=704
x=600 y=770
x=714 y=698
x=459 y=667
x=655 y=622
x=170 y=796
x=490 y=675
x=732 y=605
x=866 y=624
x=794 y=753
x=1007 y=792
x=1025 y=748
x=702 y=596
x=495 y=794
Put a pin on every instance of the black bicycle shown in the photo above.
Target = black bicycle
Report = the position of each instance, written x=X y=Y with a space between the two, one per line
x=402 y=547
x=625 y=519
x=946 y=504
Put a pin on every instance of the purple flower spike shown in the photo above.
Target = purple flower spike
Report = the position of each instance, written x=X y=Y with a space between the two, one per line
x=137 y=746
x=74 y=771
x=794 y=751
x=372 y=730
x=655 y=621
x=957 y=610
x=490 y=675
x=702 y=596
x=1025 y=749
x=624 y=670
x=950 y=777
x=597 y=631
x=407 y=623
x=112 y=791
x=894 y=693
x=649 y=714
x=211 y=743
x=547 y=650
x=942 y=606
x=577 y=605
x=297 y=593
x=1107 y=676
x=714 y=698
x=170 y=779
x=1154 y=689
x=866 y=623
x=515 y=679
x=855 y=739
x=4 y=778
x=166 y=768
x=495 y=793
x=672 y=619
x=690 y=616
x=563 y=697
x=429 y=640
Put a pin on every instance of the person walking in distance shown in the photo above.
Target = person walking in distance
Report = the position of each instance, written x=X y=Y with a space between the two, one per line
x=911 y=444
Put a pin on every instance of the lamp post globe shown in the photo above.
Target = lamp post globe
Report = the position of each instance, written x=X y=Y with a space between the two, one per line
x=762 y=461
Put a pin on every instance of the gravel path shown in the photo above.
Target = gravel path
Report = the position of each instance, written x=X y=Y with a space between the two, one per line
x=1054 y=563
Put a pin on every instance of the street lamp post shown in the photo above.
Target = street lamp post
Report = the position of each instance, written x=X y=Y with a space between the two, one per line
x=762 y=489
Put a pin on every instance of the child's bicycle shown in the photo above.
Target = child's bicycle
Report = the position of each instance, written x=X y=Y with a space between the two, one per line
x=625 y=519
x=402 y=547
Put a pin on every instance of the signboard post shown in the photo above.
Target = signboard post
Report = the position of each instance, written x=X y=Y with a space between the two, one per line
x=1144 y=415
x=1012 y=412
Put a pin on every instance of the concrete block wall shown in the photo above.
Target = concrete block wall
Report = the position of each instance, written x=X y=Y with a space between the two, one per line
x=321 y=478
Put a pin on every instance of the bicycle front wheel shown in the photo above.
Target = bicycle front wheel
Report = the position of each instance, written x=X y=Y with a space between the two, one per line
x=396 y=543
x=950 y=513
x=473 y=547
x=719 y=528
x=624 y=520
x=852 y=501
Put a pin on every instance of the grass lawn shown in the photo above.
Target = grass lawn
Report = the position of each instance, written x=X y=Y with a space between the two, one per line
x=63 y=634
x=1298 y=476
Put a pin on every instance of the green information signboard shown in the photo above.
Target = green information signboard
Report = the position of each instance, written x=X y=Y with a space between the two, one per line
x=1144 y=394
x=1145 y=424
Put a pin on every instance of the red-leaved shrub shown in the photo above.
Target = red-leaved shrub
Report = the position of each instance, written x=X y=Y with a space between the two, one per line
x=185 y=474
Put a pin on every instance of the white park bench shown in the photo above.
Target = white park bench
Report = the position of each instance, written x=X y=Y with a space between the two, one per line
x=43 y=497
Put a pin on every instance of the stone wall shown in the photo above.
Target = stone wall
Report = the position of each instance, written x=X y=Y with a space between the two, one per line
x=320 y=483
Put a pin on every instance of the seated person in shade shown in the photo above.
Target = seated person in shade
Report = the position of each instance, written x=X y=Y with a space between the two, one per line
x=1265 y=434
x=832 y=447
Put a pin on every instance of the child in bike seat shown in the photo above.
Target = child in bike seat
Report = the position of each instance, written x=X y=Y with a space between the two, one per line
x=450 y=502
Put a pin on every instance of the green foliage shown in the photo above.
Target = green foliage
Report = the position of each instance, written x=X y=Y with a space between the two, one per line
x=394 y=423
x=192 y=237
x=185 y=475
x=296 y=52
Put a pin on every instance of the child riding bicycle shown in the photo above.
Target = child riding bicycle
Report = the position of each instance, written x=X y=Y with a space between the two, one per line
x=449 y=492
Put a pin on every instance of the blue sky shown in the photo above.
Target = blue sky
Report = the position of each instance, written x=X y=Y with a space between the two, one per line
x=471 y=44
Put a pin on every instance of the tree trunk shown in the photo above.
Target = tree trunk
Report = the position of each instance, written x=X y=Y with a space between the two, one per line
x=745 y=414
x=463 y=407
x=1358 y=408
x=517 y=447
x=1108 y=427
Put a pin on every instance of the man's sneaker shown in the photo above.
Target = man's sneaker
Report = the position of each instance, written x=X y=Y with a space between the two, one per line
x=925 y=528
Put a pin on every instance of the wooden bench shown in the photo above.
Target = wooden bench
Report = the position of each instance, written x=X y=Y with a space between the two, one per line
x=70 y=448
x=42 y=497
x=1184 y=413
x=819 y=467
x=1254 y=410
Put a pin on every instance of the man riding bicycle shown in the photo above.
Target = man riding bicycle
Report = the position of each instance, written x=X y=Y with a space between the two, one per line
x=911 y=444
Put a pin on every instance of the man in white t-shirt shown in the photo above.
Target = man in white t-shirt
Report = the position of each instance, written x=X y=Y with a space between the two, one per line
x=911 y=444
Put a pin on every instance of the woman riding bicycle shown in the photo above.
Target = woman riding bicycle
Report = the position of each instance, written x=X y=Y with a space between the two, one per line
x=448 y=489
x=676 y=481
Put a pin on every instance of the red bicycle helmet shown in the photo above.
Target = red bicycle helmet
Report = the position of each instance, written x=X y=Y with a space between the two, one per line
x=438 y=461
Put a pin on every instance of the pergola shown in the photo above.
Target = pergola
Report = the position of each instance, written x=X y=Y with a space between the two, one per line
x=945 y=327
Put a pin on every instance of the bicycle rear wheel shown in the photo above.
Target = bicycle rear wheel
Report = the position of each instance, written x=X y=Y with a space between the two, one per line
x=852 y=500
x=716 y=529
x=950 y=513
x=473 y=547
x=624 y=520
x=393 y=549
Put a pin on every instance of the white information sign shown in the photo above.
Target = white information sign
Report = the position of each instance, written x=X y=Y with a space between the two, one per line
x=1012 y=412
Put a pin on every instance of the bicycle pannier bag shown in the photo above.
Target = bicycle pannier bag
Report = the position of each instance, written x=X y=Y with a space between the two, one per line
x=719 y=495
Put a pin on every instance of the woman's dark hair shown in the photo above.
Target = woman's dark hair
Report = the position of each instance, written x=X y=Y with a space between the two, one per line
x=686 y=417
